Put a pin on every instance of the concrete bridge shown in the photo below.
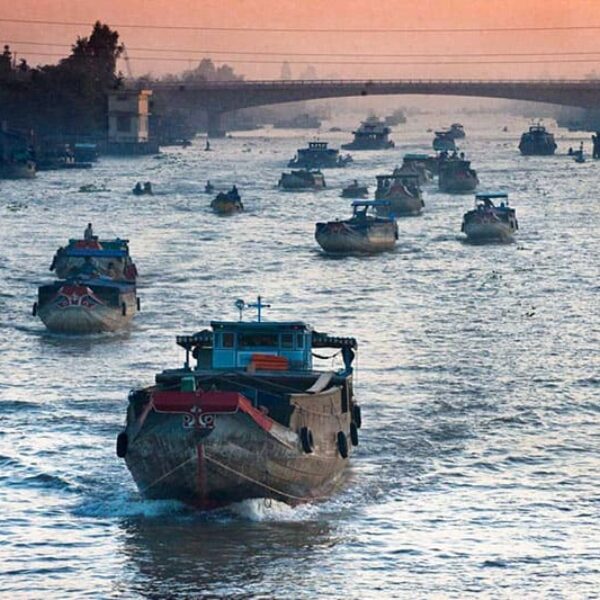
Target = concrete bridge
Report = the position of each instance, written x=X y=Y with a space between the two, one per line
x=218 y=98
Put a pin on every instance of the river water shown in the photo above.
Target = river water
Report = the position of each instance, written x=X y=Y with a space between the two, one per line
x=478 y=373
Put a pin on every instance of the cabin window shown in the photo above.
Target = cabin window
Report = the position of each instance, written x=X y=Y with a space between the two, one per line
x=287 y=340
x=300 y=341
x=228 y=340
x=258 y=340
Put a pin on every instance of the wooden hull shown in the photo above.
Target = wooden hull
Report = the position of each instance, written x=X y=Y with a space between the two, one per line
x=18 y=170
x=488 y=231
x=209 y=457
x=291 y=182
x=401 y=205
x=345 y=240
x=227 y=207
x=80 y=310
x=458 y=185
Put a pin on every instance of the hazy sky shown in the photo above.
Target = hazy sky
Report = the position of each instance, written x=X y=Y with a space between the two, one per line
x=455 y=47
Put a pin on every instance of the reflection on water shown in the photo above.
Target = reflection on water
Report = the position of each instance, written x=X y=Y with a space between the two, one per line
x=477 y=373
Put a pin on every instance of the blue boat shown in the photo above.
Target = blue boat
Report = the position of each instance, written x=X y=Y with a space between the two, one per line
x=250 y=418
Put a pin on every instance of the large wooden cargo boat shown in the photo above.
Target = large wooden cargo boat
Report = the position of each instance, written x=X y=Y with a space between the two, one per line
x=82 y=306
x=401 y=191
x=251 y=418
x=537 y=142
x=456 y=176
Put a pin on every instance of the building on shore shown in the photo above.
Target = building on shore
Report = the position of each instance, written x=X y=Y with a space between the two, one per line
x=128 y=123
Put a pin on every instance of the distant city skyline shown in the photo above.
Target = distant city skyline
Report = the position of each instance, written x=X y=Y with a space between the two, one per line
x=568 y=48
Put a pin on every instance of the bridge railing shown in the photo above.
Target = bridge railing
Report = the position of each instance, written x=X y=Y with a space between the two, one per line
x=368 y=82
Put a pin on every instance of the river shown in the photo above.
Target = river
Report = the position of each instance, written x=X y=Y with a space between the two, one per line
x=478 y=375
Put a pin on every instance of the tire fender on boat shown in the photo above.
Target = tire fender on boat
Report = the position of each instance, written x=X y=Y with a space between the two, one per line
x=138 y=303
x=122 y=444
x=307 y=440
x=354 y=433
x=34 y=309
x=356 y=416
x=342 y=444
x=123 y=309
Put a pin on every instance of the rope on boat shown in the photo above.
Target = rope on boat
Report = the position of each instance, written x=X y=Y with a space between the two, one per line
x=165 y=475
x=260 y=483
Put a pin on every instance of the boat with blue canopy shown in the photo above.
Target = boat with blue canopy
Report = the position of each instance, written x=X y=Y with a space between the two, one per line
x=365 y=231
x=488 y=222
x=247 y=416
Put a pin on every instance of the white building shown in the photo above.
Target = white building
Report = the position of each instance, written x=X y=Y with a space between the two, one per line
x=128 y=117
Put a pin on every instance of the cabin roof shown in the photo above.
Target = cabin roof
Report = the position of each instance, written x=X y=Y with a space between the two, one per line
x=416 y=156
x=95 y=252
x=260 y=326
x=490 y=195
x=357 y=203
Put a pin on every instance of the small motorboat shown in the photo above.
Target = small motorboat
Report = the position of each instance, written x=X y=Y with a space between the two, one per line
x=402 y=192
x=537 y=142
x=251 y=418
x=228 y=203
x=444 y=141
x=490 y=223
x=363 y=232
x=143 y=190
x=355 y=190
x=303 y=179
x=457 y=131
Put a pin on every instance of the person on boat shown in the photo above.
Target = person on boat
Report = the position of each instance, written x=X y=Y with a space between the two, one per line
x=234 y=194
x=209 y=187
x=570 y=151
x=138 y=190
x=207 y=147
x=147 y=188
x=111 y=271
x=88 y=234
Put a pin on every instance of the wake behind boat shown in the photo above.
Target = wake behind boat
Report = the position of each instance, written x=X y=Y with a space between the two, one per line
x=363 y=232
x=251 y=418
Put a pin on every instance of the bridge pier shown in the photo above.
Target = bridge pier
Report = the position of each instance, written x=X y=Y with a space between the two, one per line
x=214 y=124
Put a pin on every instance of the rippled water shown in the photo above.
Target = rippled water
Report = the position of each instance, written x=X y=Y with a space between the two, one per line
x=478 y=374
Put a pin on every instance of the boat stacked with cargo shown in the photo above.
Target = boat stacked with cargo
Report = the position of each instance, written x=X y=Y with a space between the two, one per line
x=456 y=175
x=363 y=232
x=372 y=134
x=96 y=291
x=302 y=179
x=250 y=418
x=488 y=222
x=537 y=142
x=318 y=156
x=402 y=193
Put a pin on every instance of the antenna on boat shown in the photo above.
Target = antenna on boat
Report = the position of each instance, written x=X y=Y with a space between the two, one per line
x=259 y=306
x=240 y=305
